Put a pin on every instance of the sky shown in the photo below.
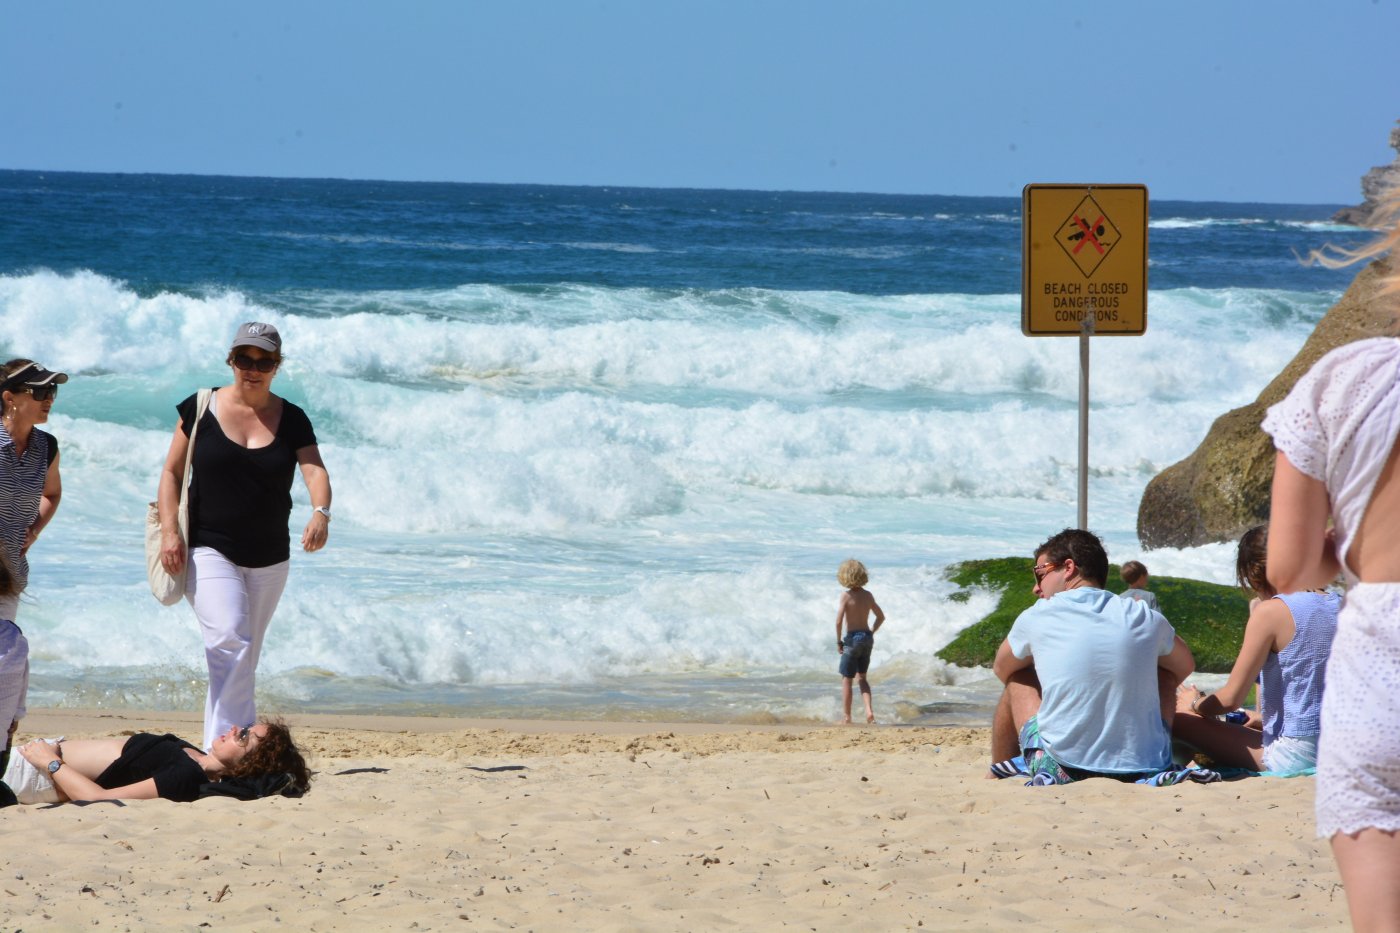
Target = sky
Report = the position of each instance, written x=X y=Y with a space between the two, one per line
x=1288 y=101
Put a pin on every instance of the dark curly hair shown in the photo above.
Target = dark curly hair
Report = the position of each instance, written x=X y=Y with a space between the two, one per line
x=275 y=753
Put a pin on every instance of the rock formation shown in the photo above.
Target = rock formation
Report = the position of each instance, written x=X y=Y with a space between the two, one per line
x=1222 y=488
x=1374 y=184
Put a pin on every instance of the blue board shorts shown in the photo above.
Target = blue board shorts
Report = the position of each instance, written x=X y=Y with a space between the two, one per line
x=856 y=658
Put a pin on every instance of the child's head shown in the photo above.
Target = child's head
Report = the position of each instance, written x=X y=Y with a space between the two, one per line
x=1133 y=573
x=852 y=573
x=1250 y=568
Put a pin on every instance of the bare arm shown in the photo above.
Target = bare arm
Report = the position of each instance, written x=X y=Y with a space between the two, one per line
x=77 y=786
x=172 y=547
x=1302 y=554
x=1270 y=627
x=318 y=484
x=879 y=616
x=1007 y=663
x=841 y=608
x=1179 y=662
x=48 y=503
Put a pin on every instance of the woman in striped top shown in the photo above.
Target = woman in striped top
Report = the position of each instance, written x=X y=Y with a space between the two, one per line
x=29 y=492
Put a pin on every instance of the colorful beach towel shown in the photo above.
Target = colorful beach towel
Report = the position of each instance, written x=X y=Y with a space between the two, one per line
x=1043 y=770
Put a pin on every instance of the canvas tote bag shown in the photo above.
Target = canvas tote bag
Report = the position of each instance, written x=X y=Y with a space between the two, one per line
x=167 y=589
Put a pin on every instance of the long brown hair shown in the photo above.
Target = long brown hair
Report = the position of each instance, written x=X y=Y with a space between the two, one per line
x=1251 y=569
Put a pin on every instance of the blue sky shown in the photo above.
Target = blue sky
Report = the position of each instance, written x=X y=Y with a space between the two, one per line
x=1288 y=101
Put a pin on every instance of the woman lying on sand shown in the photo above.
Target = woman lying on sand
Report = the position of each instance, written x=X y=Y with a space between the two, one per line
x=145 y=766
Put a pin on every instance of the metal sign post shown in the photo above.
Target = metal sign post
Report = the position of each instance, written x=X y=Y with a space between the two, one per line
x=1083 y=271
x=1085 y=332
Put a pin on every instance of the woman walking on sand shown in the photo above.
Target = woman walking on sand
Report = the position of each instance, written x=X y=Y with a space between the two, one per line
x=247 y=446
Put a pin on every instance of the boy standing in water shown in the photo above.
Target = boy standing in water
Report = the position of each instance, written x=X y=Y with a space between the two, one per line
x=853 y=612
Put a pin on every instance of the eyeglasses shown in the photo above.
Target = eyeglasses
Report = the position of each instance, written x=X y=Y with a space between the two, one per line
x=245 y=362
x=241 y=736
x=40 y=393
x=1040 y=570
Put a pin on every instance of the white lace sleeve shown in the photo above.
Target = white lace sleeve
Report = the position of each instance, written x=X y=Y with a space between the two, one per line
x=1295 y=427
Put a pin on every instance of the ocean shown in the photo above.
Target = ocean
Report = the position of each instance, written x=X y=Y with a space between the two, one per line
x=598 y=452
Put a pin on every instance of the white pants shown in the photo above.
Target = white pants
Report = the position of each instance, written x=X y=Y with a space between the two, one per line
x=14 y=675
x=234 y=606
x=29 y=783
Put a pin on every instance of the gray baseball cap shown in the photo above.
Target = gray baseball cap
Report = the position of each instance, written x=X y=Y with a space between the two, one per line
x=257 y=334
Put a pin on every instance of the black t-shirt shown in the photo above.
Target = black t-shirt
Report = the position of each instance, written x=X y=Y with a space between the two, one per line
x=241 y=499
x=163 y=757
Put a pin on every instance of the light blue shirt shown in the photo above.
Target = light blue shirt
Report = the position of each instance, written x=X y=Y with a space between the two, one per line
x=1096 y=657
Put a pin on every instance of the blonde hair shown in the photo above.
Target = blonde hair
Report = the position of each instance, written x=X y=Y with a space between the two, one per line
x=1386 y=218
x=852 y=573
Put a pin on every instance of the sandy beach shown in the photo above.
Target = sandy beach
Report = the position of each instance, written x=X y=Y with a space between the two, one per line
x=446 y=824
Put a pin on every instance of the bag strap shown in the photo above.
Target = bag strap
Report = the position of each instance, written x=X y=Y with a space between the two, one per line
x=201 y=406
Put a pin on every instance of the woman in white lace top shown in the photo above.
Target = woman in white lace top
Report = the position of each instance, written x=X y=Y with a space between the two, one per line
x=1335 y=435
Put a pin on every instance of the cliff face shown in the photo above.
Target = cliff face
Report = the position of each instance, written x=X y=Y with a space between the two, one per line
x=1374 y=184
x=1223 y=488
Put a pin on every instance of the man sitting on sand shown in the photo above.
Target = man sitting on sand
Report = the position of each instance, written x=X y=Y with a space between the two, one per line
x=1082 y=670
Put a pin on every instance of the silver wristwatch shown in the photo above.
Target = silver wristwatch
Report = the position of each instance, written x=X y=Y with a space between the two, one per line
x=55 y=765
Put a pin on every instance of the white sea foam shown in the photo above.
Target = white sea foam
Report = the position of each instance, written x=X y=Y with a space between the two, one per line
x=563 y=484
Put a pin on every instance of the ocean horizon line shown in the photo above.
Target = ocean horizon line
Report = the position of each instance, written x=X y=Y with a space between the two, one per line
x=677 y=189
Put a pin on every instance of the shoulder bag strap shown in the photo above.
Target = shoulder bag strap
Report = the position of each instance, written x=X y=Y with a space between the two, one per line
x=201 y=406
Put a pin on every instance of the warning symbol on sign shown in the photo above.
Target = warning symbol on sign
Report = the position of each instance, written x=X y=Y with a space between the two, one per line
x=1088 y=236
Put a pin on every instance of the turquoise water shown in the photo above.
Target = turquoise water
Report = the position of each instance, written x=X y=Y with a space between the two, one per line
x=598 y=452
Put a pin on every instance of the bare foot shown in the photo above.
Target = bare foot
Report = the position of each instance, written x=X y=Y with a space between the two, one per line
x=870 y=719
x=846 y=721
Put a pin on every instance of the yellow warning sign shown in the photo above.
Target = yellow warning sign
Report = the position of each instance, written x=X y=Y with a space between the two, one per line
x=1083 y=251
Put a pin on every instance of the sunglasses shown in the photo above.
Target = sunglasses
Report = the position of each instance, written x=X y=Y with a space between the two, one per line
x=241 y=736
x=40 y=393
x=1040 y=570
x=245 y=362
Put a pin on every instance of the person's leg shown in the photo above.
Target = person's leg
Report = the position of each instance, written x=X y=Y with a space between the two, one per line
x=865 y=695
x=14 y=682
x=1166 y=694
x=216 y=590
x=265 y=586
x=234 y=605
x=846 y=699
x=1020 y=700
x=1226 y=743
x=1369 y=863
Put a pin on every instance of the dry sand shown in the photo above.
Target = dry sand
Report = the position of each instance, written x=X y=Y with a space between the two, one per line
x=449 y=824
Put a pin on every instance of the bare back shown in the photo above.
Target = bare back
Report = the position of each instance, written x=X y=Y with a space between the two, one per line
x=1372 y=553
x=856 y=607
